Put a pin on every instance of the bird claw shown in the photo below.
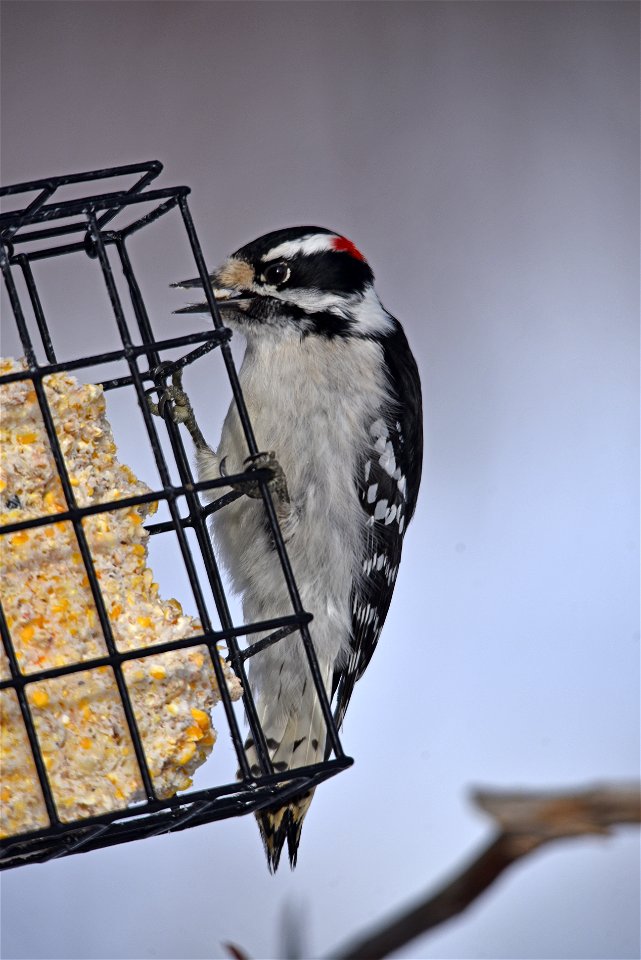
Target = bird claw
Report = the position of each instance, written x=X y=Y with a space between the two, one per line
x=173 y=400
x=277 y=483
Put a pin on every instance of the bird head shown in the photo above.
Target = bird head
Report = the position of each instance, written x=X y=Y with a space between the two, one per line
x=297 y=281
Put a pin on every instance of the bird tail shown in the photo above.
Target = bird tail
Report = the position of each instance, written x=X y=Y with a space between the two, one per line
x=283 y=824
x=295 y=740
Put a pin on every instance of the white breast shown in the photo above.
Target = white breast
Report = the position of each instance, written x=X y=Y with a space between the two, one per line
x=312 y=402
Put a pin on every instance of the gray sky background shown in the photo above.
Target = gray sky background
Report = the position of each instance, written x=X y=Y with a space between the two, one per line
x=485 y=158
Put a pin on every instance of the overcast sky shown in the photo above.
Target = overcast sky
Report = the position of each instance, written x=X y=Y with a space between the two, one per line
x=485 y=158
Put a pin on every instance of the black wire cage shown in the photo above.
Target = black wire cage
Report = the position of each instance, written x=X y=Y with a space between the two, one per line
x=95 y=228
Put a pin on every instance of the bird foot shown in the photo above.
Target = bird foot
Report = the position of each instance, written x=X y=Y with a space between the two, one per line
x=174 y=401
x=277 y=483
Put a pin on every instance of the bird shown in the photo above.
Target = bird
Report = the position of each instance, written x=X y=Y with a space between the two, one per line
x=334 y=395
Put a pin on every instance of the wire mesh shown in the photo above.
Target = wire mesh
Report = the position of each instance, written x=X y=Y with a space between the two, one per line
x=45 y=226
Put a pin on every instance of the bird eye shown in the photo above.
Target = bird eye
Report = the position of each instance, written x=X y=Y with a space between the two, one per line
x=276 y=273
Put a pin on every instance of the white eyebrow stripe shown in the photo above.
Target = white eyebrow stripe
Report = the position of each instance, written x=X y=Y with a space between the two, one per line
x=312 y=243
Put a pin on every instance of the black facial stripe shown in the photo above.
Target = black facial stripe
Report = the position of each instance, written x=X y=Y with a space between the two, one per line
x=326 y=324
x=321 y=323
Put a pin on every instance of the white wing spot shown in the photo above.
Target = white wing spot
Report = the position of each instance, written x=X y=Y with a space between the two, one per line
x=368 y=467
x=380 y=509
x=401 y=524
x=371 y=493
x=380 y=560
x=402 y=487
x=389 y=516
x=379 y=446
x=387 y=459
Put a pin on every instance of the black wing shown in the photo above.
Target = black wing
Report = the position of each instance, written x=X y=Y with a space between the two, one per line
x=388 y=482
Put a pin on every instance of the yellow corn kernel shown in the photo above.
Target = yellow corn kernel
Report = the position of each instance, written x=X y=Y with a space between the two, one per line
x=3 y=486
x=19 y=538
x=158 y=672
x=40 y=698
x=27 y=633
x=85 y=743
x=49 y=532
x=187 y=754
x=139 y=550
x=144 y=621
x=116 y=610
x=201 y=718
x=134 y=517
x=61 y=606
x=26 y=437
x=194 y=733
x=173 y=709
x=76 y=557
x=74 y=481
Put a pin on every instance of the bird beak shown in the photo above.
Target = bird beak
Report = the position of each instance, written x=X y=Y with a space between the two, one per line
x=226 y=298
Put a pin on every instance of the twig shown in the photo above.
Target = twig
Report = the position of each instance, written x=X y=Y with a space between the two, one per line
x=234 y=951
x=526 y=820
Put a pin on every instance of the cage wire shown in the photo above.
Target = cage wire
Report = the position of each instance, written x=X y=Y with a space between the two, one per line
x=44 y=225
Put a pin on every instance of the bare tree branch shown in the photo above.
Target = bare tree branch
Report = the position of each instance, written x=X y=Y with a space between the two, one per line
x=525 y=821
x=235 y=952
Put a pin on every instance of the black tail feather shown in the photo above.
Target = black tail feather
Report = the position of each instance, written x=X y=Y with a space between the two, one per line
x=281 y=826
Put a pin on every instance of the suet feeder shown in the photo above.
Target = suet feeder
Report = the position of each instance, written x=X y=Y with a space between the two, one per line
x=106 y=687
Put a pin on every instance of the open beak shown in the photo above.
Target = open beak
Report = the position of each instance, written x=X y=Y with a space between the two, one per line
x=225 y=298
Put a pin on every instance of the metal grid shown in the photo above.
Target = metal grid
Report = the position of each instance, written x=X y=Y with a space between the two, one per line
x=37 y=230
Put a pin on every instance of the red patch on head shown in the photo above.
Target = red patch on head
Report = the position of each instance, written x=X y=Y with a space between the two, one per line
x=343 y=245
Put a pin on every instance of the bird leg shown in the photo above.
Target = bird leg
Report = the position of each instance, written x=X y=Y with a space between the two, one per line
x=181 y=411
x=180 y=408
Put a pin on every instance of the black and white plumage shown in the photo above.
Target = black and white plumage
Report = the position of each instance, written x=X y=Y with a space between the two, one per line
x=332 y=387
